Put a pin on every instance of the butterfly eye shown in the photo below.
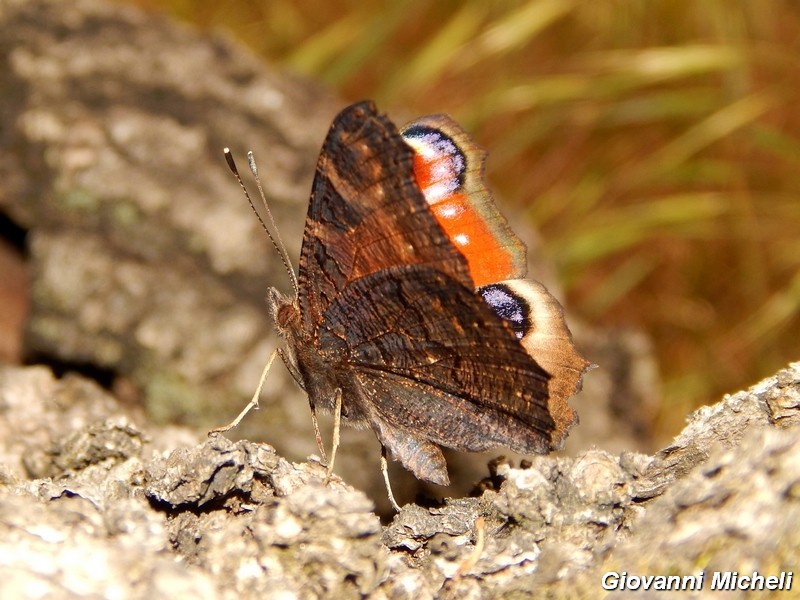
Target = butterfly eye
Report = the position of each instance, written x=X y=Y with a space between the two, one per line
x=287 y=316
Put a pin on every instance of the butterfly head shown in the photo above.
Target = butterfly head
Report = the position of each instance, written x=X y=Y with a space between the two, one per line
x=285 y=313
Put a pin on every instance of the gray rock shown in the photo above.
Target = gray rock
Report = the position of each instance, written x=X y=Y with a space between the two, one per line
x=105 y=512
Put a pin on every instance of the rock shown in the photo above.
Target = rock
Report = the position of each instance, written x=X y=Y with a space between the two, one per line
x=230 y=519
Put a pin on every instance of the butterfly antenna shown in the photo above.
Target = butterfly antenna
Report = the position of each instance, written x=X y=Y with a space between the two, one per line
x=278 y=245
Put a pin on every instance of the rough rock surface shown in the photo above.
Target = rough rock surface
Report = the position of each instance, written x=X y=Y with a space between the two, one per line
x=94 y=503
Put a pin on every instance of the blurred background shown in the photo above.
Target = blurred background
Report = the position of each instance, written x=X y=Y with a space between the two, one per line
x=654 y=144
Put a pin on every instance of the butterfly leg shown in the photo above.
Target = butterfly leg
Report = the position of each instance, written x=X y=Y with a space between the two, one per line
x=318 y=435
x=253 y=402
x=385 y=471
x=290 y=366
x=337 y=422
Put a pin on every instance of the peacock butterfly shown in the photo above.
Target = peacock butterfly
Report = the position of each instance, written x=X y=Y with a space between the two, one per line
x=398 y=321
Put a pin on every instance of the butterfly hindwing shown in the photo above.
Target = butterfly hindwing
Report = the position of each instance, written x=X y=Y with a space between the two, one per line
x=435 y=333
x=421 y=364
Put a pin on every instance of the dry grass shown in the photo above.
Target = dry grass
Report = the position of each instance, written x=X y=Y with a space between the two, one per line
x=655 y=144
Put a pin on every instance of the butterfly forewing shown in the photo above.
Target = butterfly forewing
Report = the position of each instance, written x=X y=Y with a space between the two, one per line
x=366 y=213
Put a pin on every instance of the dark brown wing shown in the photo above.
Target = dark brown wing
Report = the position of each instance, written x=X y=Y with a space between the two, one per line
x=427 y=358
x=366 y=213
x=416 y=323
x=388 y=302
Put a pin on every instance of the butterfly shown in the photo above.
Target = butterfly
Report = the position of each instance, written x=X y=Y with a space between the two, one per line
x=410 y=315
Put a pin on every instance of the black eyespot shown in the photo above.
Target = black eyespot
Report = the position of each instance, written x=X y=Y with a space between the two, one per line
x=508 y=306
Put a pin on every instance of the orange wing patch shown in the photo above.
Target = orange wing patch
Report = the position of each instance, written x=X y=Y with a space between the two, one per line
x=448 y=167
